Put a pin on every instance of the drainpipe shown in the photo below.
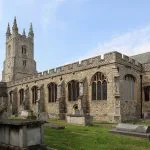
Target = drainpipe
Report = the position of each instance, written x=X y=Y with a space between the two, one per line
x=141 y=97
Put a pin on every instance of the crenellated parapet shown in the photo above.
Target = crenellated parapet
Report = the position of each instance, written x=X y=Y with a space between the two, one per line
x=109 y=58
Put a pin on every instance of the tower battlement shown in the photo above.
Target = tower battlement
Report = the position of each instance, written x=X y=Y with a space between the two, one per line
x=10 y=34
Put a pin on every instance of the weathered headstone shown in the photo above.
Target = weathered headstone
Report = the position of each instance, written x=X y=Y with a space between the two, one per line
x=55 y=126
x=43 y=116
x=134 y=130
x=147 y=115
x=80 y=119
x=24 y=114
x=21 y=135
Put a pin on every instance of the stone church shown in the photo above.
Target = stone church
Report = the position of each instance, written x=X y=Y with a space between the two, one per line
x=114 y=88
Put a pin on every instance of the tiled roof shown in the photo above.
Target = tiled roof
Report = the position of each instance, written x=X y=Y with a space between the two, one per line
x=142 y=58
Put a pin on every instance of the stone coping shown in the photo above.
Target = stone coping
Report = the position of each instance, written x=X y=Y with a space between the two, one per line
x=19 y=122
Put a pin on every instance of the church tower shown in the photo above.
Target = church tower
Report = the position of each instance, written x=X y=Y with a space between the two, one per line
x=19 y=60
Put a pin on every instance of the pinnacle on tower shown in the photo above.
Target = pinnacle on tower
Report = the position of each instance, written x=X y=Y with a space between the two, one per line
x=8 y=33
x=24 y=33
x=15 y=28
x=31 y=33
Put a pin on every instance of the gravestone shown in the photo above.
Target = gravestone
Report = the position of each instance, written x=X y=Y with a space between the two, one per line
x=21 y=135
x=147 y=115
x=54 y=126
x=134 y=130
x=24 y=114
x=43 y=116
x=80 y=119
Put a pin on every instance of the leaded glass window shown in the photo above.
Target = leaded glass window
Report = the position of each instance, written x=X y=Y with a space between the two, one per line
x=73 y=90
x=52 y=92
x=99 y=87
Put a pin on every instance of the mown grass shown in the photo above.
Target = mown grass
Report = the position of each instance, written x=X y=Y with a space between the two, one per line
x=95 y=137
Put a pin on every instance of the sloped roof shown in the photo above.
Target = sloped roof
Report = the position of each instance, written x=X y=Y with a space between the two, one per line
x=142 y=58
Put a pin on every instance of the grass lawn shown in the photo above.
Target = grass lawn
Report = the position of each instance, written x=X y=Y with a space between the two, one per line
x=94 y=137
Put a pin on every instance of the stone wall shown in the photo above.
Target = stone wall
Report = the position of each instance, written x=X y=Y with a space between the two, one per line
x=130 y=108
x=114 y=66
x=146 y=82
x=144 y=59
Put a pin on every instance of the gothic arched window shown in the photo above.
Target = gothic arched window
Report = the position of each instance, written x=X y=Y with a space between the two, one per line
x=34 y=94
x=21 y=96
x=52 y=92
x=73 y=90
x=99 y=87
x=104 y=87
x=129 y=87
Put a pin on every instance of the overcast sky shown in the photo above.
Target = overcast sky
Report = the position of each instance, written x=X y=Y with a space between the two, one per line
x=71 y=30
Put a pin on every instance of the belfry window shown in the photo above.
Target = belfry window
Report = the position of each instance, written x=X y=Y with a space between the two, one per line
x=52 y=92
x=24 y=63
x=24 y=50
x=34 y=94
x=73 y=90
x=129 y=87
x=21 y=95
x=99 y=87
x=147 y=93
